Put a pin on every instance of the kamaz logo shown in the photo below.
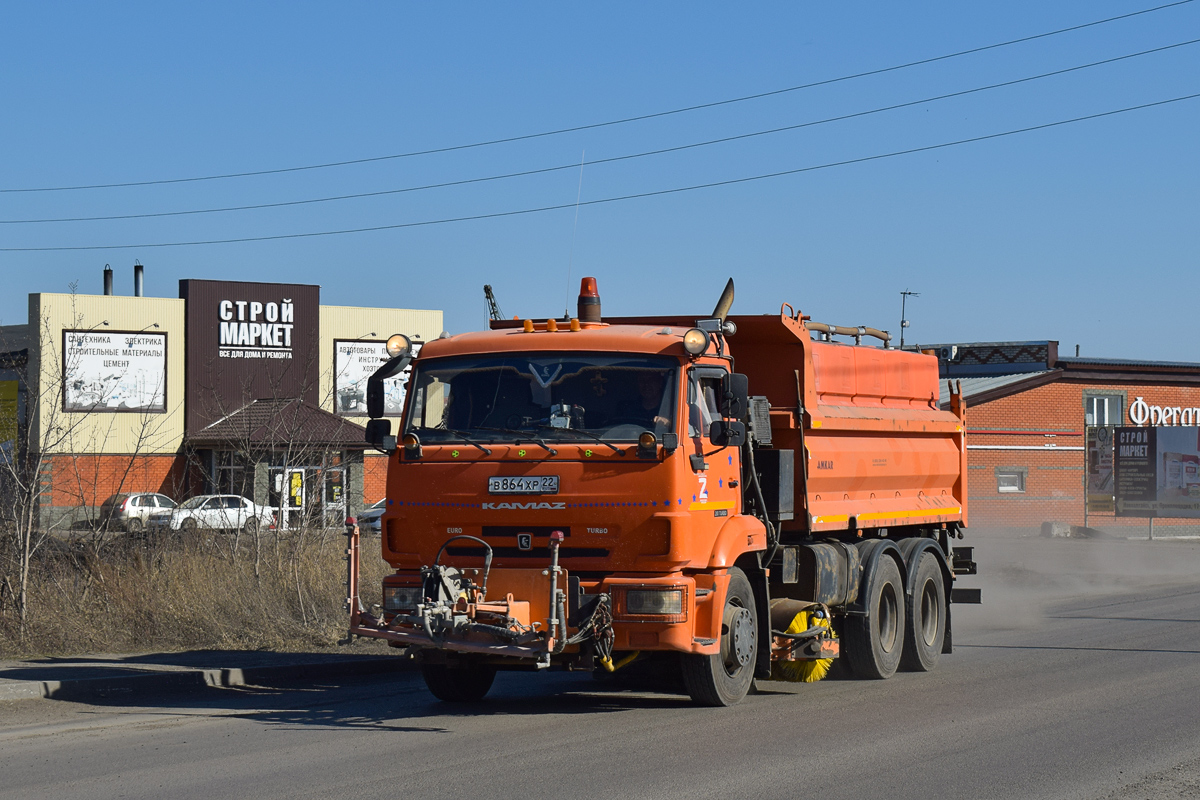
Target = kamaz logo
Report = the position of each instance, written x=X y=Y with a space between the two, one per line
x=824 y=465
x=526 y=506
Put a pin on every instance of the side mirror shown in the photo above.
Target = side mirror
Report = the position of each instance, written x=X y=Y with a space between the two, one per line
x=375 y=394
x=725 y=433
x=379 y=434
x=735 y=400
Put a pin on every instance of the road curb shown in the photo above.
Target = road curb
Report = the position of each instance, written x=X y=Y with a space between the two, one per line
x=194 y=680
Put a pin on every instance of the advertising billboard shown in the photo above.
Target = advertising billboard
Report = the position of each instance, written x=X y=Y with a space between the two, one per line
x=248 y=341
x=9 y=420
x=354 y=361
x=114 y=371
x=1157 y=471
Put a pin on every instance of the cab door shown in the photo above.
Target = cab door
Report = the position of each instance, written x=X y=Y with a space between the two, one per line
x=713 y=466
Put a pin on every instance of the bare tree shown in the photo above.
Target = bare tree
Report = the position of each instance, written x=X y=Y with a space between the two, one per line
x=53 y=440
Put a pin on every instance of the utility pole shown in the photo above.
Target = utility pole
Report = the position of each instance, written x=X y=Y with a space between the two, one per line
x=903 y=321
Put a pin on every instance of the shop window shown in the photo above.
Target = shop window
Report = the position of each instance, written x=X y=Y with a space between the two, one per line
x=1103 y=408
x=1011 y=480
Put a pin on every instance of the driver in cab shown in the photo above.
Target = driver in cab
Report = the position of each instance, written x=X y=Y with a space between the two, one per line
x=647 y=407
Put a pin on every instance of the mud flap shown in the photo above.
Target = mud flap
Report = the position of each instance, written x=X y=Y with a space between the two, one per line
x=762 y=604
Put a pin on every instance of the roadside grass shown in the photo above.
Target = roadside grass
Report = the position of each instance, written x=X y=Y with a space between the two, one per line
x=114 y=593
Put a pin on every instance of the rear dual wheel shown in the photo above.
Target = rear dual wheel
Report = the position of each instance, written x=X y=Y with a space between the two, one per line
x=926 y=630
x=875 y=640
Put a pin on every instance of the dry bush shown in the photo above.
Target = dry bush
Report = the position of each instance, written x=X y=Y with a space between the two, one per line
x=116 y=594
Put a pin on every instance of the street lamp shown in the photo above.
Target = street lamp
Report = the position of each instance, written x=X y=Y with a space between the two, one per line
x=903 y=321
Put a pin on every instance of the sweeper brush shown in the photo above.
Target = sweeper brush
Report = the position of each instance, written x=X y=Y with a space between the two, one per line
x=807 y=670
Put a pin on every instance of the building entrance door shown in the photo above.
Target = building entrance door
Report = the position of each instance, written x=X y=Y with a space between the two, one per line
x=334 y=500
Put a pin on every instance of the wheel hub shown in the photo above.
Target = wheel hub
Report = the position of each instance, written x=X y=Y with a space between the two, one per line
x=740 y=624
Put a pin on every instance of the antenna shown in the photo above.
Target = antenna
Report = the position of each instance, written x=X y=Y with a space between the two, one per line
x=903 y=321
x=571 y=257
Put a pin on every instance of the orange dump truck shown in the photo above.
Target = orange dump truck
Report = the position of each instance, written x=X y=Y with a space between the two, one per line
x=744 y=496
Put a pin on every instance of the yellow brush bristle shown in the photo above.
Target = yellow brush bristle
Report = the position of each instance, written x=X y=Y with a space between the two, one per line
x=802 y=671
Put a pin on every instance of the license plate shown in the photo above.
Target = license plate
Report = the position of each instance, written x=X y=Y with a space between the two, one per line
x=542 y=484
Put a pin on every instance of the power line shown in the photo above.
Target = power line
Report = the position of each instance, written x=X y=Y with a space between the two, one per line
x=660 y=192
x=609 y=123
x=609 y=160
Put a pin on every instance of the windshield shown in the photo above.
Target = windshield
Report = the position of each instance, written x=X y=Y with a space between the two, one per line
x=194 y=502
x=560 y=396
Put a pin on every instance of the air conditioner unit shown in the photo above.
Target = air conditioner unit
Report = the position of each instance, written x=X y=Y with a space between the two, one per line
x=948 y=352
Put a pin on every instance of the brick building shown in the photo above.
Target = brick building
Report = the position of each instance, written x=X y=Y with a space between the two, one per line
x=232 y=387
x=1027 y=414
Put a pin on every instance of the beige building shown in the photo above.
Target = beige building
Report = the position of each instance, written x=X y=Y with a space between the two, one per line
x=243 y=388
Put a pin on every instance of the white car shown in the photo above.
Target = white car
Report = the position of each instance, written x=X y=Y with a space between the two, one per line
x=223 y=512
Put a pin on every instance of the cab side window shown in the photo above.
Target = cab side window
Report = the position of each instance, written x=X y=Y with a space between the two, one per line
x=704 y=392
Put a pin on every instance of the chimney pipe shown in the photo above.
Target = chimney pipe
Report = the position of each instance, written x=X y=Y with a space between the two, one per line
x=108 y=280
x=138 y=280
x=589 y=301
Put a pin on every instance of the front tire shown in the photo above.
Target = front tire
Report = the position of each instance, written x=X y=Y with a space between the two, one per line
x=463 y=684
x=874 y=642
x=926 y=629
x=724 y=678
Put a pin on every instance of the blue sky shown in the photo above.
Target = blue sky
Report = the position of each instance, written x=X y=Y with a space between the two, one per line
x=1085 y=233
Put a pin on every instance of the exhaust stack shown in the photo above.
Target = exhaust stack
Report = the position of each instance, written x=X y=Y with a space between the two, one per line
x=108 y=280
x=589 y=301
x=726 y=301
x=138 y=280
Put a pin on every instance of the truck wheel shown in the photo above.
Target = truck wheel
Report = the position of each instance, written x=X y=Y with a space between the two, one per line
x=465 y=684
x=874 y=642
x=724 y=679
x=926 y=627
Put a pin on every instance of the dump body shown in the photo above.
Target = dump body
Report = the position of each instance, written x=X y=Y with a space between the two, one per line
x=876 y=450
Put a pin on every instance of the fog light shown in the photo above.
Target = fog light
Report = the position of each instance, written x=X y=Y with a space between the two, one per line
x=654 y=601
x=398 y=344
x=695 y=341
x=401 y=598
x=647 y=441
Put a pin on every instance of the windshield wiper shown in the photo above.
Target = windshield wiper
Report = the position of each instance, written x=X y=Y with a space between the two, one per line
x=524 y=437
x=468 y=440
x=582 y=432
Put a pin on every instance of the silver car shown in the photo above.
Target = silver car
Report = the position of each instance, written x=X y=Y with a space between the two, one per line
x=369 y=519
x=221 y=512
x=131 y=511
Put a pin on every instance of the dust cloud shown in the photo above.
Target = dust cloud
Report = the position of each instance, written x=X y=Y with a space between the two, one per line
x=1024 y=575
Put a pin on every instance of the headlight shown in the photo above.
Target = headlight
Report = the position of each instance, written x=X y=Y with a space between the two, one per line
x=402 y=598
x=695 y=341
x=654 y=601
x=651 y=604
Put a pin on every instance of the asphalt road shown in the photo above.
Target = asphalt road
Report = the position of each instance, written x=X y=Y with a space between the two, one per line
x=1078 y=678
